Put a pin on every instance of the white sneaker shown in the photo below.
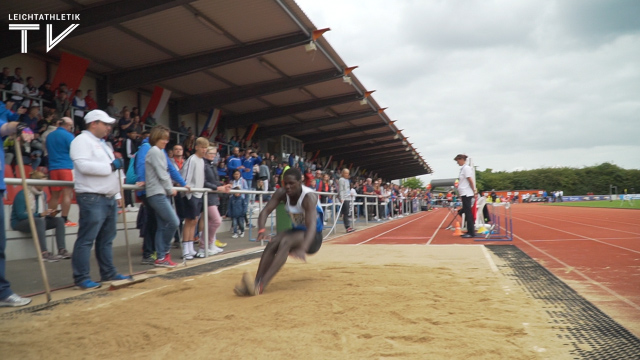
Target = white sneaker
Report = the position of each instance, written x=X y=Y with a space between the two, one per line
x=188 y=256
x=132 y=208
x=242 y=234
x=215 y=250
x=235 y=236
x=14 y=300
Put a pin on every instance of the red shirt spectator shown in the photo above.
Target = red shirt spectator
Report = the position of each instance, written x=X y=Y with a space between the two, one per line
x=309 y=179
x=90 y=102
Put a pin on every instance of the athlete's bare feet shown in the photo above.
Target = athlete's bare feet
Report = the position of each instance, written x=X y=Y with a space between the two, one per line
x=250 y=284
x=241 y=289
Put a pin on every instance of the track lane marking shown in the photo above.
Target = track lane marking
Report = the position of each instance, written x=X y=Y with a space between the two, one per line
x=580 y=273
x=437 y=229
x=582 y=236
x=599 y=227
x=388 y=231
x=492 y=263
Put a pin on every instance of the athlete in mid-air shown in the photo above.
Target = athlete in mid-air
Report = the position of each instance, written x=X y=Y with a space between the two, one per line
x=305 y=237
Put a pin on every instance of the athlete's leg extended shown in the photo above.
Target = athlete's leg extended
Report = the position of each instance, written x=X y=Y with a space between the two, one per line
x=275 y=255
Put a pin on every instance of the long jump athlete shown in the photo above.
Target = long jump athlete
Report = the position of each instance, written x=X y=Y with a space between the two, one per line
x=305 y=237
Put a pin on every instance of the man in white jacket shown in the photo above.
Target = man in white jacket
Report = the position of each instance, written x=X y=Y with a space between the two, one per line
x=97 y=187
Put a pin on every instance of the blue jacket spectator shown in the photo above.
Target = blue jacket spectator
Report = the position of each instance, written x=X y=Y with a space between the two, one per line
x=58 y=145
x=236 y=206
x=248 y=164
x=222 y=170
x=233 y=163
x=139 y=166
x=7 y=115
x=31 y=119
x=292 y=159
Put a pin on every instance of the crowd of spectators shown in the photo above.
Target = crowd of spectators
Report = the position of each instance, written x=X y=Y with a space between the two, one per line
x=59 y=117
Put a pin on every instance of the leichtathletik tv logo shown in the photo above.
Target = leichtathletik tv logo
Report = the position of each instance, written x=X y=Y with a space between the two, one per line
x=25 y=27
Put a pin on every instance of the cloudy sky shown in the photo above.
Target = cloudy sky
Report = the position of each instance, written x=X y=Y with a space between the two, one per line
x=514 y=84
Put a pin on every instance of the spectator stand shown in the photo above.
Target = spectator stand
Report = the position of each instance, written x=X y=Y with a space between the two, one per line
x=6 y=94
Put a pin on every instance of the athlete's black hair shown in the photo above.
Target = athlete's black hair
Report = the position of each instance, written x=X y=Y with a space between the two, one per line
x=294 y=172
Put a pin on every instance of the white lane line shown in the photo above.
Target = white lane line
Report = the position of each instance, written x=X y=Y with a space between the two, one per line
x=582 y=236
x=397 y=227
x=619 y=238
x=595 y=226
x=584 y=276
x=584 y=218
x=492 y=264
x=231 y=267
x=404 y=238
x=367 y=228
x=437 y=229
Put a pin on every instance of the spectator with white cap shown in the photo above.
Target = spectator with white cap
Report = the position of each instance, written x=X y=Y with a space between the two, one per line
x=97 y=185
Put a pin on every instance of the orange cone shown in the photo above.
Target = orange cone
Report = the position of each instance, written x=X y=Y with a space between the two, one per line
x=458 y=232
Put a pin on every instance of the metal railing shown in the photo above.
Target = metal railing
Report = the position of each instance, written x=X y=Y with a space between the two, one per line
x=404 y=205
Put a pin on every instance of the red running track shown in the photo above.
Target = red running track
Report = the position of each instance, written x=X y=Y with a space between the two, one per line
x=595 y=251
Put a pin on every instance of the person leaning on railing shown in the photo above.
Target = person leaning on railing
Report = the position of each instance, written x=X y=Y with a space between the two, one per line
x=148 y=243
x=212 y=181
x=44 y=219
x=158 y=188
x=344 y=196
x=7 y=297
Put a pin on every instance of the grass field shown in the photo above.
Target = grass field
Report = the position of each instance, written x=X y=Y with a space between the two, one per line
x=600 y=204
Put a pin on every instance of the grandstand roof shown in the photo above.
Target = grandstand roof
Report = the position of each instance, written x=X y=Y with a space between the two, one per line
x=250 y=58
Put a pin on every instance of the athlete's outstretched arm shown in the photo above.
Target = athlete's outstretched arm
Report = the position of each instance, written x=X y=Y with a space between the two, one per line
x=271 y=205
x=311 y=218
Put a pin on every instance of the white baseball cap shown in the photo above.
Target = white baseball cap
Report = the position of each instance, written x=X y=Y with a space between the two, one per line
x=98 y=115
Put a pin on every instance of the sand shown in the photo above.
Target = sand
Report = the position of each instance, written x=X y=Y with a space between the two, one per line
x=347 y=302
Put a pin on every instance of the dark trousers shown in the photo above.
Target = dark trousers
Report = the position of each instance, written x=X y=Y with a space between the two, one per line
x=468 y=214
x=179 y=203
x=224 y=204
x=149 y=239
x=42 y=225
x=129 y=198
x=346 y=213
x=5 y=286
x=78 y=122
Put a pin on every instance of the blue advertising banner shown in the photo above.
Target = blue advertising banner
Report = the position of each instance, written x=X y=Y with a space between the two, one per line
x=599 y=197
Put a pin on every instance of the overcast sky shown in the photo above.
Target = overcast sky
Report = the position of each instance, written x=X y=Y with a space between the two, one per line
x=514 y=84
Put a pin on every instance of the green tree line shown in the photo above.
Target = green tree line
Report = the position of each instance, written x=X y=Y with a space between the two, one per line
x=572 y=181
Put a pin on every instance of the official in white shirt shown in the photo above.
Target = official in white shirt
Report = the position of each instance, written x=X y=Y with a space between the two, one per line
x=467 y=190
x=95 y=170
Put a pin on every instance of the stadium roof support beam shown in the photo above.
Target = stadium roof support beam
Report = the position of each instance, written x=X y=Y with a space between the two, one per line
x=398 y=155
x=380 y=165
x=241 y=120
x=394 y=160
x=370 y=150
x=332 y=144
x=314 y=124
x=92 y=18
x=404 y=169
x=327 y=135
x=396 y=176
x=152 y=73
x=399 y=169
x=349 y=149
x=218 y=98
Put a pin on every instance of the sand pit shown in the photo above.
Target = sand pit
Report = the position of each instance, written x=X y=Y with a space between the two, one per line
x=348 y=302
